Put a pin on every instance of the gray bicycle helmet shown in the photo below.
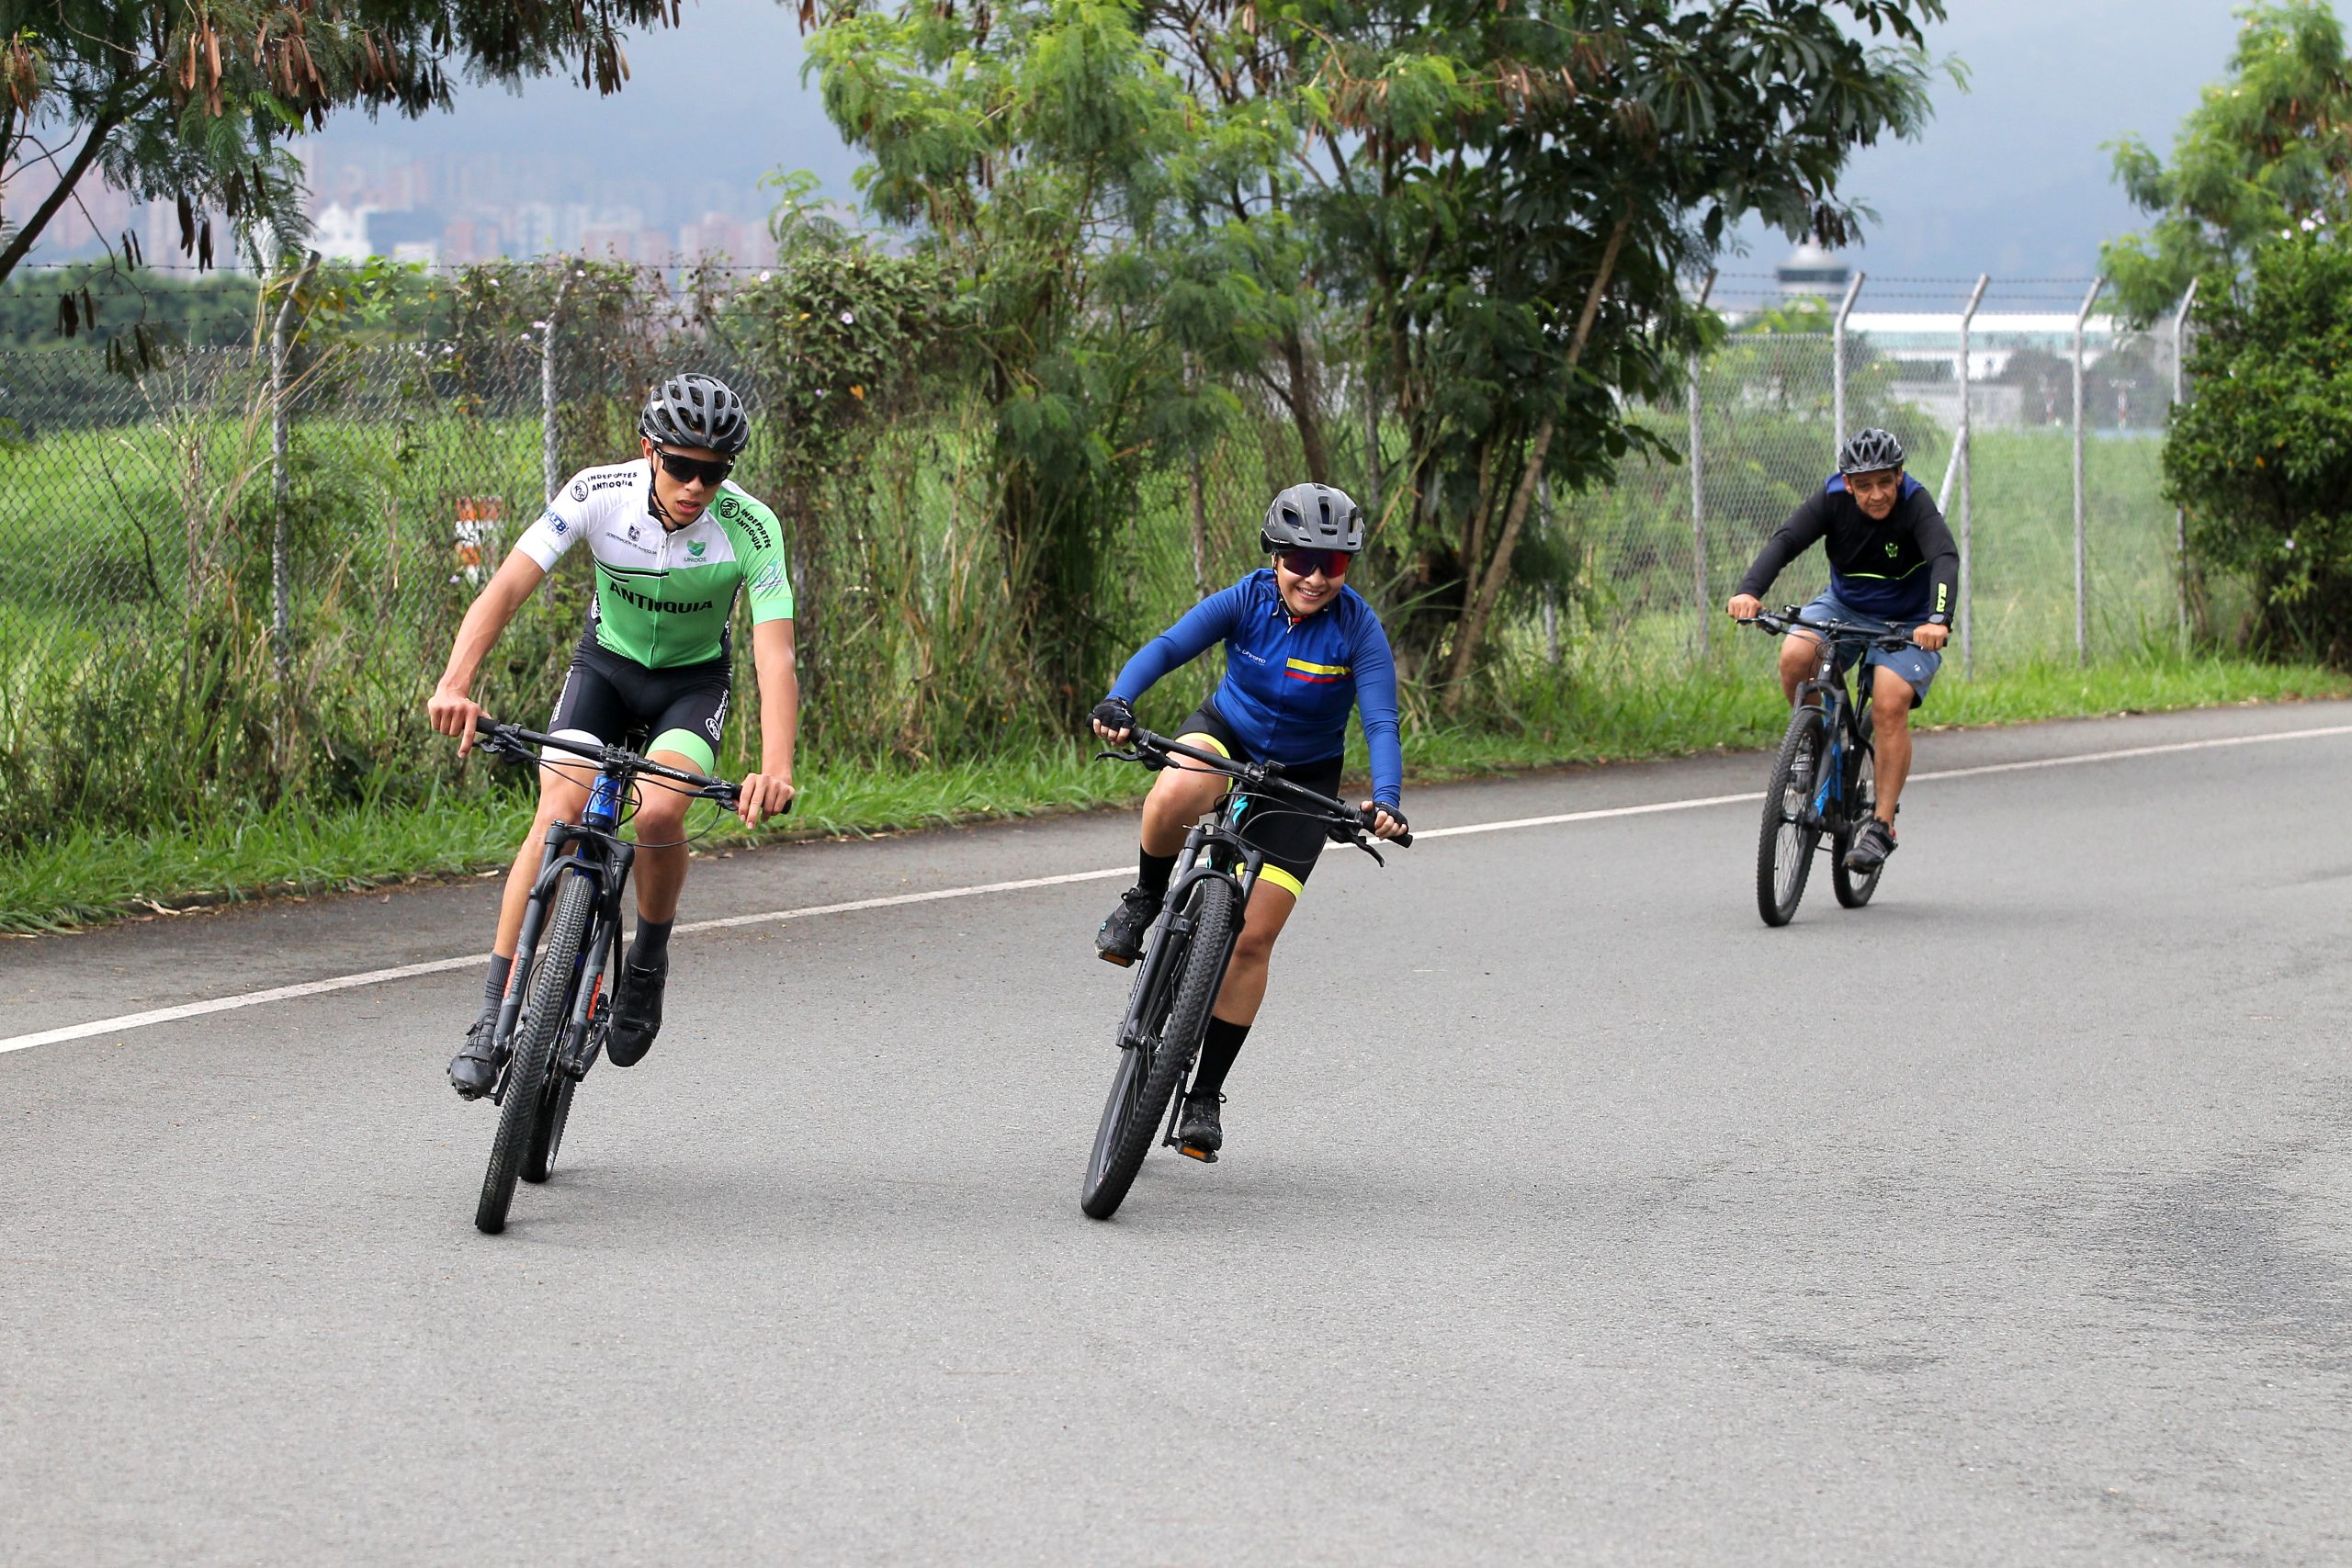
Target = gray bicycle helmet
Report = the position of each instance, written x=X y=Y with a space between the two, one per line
x=1869 y=451
x=1314 y=517
x=695 y=410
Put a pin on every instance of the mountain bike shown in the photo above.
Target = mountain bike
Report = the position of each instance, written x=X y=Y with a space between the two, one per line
x=1186 y=953
x=1807 y=799
x=553 y=1023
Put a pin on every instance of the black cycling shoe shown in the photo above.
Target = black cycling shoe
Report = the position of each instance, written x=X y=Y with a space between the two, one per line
x=637 y=1013
x=473 y=1071
x=1871 y=847
x=1119 y=940
x=1199 y=1133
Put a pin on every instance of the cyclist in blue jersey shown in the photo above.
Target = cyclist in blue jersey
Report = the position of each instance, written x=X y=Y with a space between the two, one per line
x=1893 y=566
x=1302 y=650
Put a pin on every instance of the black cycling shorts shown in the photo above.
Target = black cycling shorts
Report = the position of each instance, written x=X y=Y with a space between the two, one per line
x=1290 y=841
x=611 y=701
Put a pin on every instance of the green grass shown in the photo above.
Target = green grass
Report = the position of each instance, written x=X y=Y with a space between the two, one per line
x=91 y=876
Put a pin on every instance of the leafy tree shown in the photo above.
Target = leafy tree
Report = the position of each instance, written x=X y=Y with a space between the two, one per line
x=1470 y=218
x=1507 y=197
x=194 y=103
x=2262 y=456
x=2267 y=150
x=1037 y=148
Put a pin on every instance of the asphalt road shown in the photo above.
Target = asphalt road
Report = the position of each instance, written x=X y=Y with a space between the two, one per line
x=1569 y=1213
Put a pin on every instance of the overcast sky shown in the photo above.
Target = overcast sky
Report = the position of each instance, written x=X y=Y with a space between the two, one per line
x=2010 y=178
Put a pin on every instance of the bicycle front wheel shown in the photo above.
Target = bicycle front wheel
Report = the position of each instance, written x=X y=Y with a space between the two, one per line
x=1792 y=830
x=1855 y=888
x=1175 y=1019
x=546 y=1007
x=547 y=1128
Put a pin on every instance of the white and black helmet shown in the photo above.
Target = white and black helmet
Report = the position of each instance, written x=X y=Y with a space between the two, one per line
x=1869 y=451
x=695 y=409
x=1313 y=517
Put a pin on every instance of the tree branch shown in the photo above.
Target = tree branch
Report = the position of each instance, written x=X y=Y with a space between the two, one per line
x=28 y=234
x=1490 y=586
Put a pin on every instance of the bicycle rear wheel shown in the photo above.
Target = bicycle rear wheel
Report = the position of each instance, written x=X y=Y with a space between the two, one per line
x=546 y=1009
x=1855 y=888
x=1175 y=1017
x=1792 y=831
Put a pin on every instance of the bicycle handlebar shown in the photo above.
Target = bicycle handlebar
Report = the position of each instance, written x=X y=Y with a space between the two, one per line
x=1793 y=620
x=515 y=741
x=1156 y=751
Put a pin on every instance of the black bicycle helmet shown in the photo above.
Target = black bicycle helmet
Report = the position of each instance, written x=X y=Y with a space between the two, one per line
x=1314 y=517
x=1871 y=451
x=695 y=410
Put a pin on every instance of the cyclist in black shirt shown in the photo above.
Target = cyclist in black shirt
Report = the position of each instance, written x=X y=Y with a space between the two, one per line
x=1893 y=562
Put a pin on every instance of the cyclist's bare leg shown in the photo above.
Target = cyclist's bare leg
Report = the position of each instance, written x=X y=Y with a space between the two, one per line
x=661 y=824
x=1245 y=977
x=1890 y=737
x=1178 y=798
x=1800 y=657
x=564 y=796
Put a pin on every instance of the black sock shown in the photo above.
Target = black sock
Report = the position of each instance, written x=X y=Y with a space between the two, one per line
x=651 y=946
x=1153 y=871
x=1218 y=1048
x=495 y=986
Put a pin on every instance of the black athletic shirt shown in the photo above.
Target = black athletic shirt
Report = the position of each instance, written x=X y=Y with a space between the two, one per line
x=1905 y=569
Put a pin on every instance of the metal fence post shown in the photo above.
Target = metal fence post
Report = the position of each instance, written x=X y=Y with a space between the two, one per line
x=1837 y=369
x=281 y=442
x=549 y=461
x=1967 y=503
x=2179 y=395
x=1699 y=482
x=2082 y=609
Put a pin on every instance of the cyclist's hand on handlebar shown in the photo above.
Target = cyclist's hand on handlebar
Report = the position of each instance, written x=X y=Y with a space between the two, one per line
x=1114 y=719
x=454 y=713
x=1744 y=607
x=1931 y=636
x=762 y=796
x=1387 y=821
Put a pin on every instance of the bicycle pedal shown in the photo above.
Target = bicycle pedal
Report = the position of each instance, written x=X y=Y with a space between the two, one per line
x=1114 y=958
x=1206 y=1156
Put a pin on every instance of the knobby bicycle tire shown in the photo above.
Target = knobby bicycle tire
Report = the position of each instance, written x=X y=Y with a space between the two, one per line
x=548 y=1006
x=1854 y=888
x=1148 y=1074
x=1784 y=849
x=547 y=1128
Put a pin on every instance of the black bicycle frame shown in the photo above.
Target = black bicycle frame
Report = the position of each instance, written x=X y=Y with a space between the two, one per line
x=1191 y=870
x=1838 y=717
x=590 y=847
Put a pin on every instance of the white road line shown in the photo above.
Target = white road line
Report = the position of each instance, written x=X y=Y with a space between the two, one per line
x=2139 y=751
x=435 y=966
x=440 y=966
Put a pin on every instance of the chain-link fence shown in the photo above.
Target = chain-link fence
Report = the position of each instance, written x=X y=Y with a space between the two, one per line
x=224 y=570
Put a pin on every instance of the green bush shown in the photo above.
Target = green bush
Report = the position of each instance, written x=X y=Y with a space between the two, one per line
x=2261 y=457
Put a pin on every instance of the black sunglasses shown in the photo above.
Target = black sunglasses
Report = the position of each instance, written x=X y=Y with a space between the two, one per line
x=688 y=470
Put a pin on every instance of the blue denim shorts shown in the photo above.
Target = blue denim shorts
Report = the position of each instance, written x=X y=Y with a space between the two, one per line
x=1915 y=665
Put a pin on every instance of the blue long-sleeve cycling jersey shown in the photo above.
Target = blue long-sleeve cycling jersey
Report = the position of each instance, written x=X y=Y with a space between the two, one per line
x=1289 y=684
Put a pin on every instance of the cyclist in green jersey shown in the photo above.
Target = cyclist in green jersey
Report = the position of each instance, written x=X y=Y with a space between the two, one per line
x=674 y=544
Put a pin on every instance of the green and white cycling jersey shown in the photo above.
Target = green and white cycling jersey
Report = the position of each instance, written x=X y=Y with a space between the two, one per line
x=663 y=598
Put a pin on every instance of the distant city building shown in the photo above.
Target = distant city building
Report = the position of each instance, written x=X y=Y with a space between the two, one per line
x=339 y=233
x=1813 y=273
x=718 y=234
